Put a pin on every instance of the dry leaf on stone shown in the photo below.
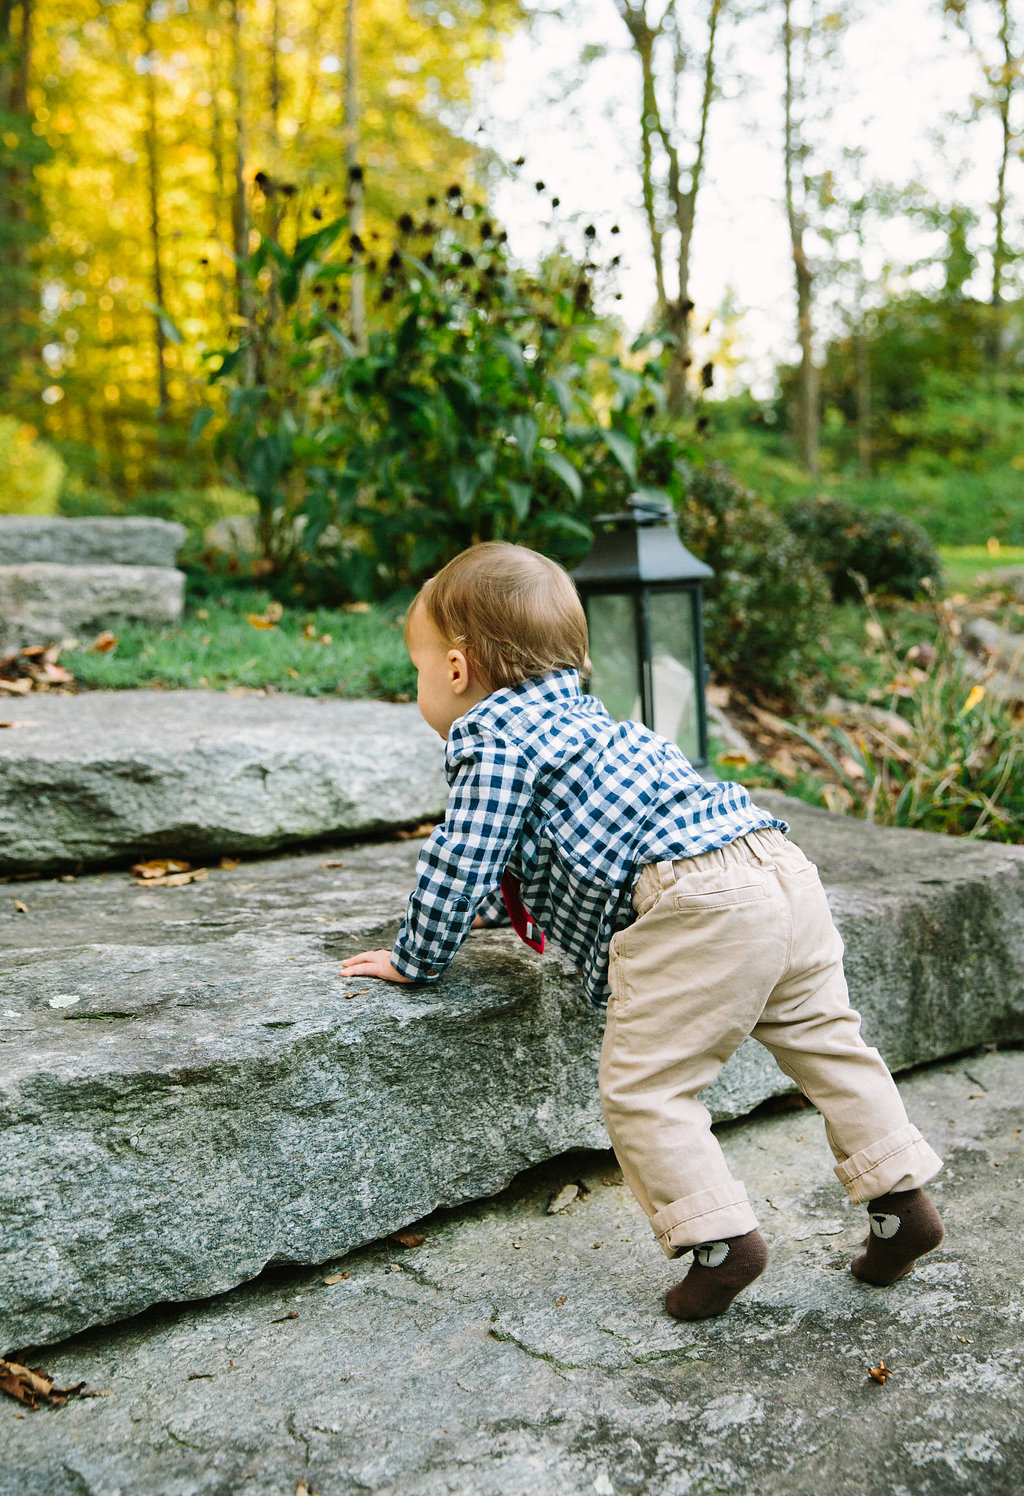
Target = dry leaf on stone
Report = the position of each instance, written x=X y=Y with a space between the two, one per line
x=424 y=829
x=159 y=867
x=16 y=687
x=566 y=1195
x=333 y=862
x=228 y=864
x=304 y=1488
x=333 y=1278
x=20 y=907
x=179 y=880
x=292 y=1314
x=407 y=1238
x=880 y=1373
x=31 y=1385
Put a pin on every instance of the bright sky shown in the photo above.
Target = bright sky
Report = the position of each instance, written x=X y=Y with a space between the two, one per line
x=902 y=77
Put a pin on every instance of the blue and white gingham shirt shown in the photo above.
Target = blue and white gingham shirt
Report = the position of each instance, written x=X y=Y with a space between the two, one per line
x=546 y=784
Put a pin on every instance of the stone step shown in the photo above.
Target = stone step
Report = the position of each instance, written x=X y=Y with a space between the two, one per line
x=117 y=775
x=43 y=602
x=189 y=1090
x=520 y=1353
x=131 y=541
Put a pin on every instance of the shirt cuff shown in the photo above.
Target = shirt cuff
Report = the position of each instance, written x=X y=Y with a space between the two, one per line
x=412 y=969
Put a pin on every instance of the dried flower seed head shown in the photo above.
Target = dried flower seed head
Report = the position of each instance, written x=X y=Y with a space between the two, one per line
x=556 y=202
x=262 y=181
x=707 y=376
x=454 y=191
x=539 y=186
x=590 y=232
x=616 y=260
x=289 y=189
x=406 y=223
x=318 y=213
x=466 y=260
x=388 y=293
x=428 y=258
x=355 y=173
x=357 y=243
x=650 y=410
x=486 y=229
x=702 y=425
x=519 y=161
x=394 y=260
x=431 y=202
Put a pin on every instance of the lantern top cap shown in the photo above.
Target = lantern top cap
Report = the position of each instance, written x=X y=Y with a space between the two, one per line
x=647 y=506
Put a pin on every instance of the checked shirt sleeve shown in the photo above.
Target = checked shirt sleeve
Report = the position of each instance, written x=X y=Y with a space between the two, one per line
x=462 y=863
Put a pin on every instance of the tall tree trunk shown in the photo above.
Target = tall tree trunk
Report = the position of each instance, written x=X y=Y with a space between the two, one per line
x=20 y=207
x=807 y=422
x=239 y=207
x=222 y=230
x=865 y=452
x=682 y=185
x=153 y=193
x=354 y=167
x=1000 y=254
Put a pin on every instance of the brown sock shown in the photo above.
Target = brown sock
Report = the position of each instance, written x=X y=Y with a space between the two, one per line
x=903 y=1227
x=720 y=1270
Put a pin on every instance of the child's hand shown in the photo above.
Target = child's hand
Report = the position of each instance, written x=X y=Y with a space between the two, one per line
x=373 y=964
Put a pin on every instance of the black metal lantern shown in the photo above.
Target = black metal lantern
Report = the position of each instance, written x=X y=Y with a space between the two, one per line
x=641 y=589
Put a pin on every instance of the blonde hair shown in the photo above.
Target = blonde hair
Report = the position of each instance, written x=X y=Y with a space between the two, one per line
x=513 y=613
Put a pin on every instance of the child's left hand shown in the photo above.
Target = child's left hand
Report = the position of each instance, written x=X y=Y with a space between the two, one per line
x=373 y=964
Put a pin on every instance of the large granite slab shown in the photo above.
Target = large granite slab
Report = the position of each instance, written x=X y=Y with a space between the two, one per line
x=131 y=541
x=516 y=1351
x=190 y=1091
x=123 y=774
x=43 y=602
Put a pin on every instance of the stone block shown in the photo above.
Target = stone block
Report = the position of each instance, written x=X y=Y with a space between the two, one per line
x=42 y=601
x=115 y=775
x=89 y=542
x=190 y=1090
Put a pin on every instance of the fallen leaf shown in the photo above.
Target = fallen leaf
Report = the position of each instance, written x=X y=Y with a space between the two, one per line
x=407 y=1238
x=560 y=1300
x=31 y=1384
x=200 y=1376
x=228 y=864
x=880 y=1373
x=160 y=866
x=517 y=1245
x=292 y=1314
x=566 y=1195
x=736 y=759
x=334 y=1278
x=259 y=622
x=19 y=687
x=598 y=1244
x=333 y=862
x=103 y=643
x=423 y=829
x=179 y=880
x=304 y=1488
x=20 y=907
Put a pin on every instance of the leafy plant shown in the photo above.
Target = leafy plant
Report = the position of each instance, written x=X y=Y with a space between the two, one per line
x=31 y=472
x=944 y=751
x=888 y=551
x=460 y=420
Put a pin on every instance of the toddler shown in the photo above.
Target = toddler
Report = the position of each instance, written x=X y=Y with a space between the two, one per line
x=690 y=915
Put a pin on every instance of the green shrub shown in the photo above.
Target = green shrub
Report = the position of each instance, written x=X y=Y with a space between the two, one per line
x=31 y=472
x=891 y=553
x=767 y=605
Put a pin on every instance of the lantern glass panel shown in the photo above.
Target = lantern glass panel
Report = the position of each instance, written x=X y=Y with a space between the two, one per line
x=673 y=667
x=611 y=619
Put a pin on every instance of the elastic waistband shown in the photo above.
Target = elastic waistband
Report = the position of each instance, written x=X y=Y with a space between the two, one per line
x=760 y=847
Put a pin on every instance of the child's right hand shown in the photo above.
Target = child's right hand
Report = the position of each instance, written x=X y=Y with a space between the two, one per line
x=373 y=964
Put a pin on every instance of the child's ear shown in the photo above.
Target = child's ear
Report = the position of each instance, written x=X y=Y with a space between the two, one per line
x=458 y=671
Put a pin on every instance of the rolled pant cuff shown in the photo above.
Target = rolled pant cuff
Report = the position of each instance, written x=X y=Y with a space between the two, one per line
x=710 y=1215
x=901 y=1161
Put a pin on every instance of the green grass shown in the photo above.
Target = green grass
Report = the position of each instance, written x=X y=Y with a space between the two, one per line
x=964 y=566
x=216 y=646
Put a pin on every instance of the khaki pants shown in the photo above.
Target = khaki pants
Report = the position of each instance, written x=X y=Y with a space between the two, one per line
x=734 y=942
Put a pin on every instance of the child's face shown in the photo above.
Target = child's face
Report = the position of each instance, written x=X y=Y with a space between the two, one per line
x=446 y=685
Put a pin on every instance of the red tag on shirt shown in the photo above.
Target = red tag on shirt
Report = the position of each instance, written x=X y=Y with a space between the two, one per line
x=522 y=920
